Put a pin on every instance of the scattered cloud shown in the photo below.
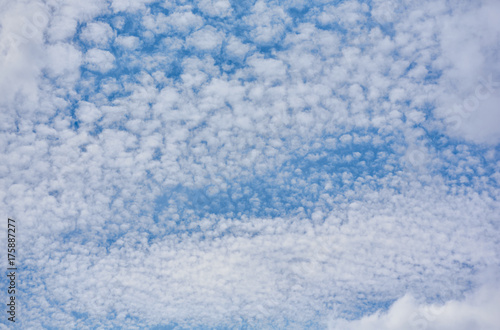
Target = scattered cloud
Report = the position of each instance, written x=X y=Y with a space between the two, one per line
x=222 y=164
x=99 y=60
x=98 y=34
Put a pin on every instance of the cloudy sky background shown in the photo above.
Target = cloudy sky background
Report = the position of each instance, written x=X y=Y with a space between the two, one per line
x=259 y=164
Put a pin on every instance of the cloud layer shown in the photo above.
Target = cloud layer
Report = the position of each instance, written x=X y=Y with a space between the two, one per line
x=255 y=164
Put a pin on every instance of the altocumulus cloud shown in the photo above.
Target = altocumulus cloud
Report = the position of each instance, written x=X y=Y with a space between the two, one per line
x=261 y=164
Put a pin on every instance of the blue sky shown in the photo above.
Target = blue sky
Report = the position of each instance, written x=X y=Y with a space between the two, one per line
x=261 y=164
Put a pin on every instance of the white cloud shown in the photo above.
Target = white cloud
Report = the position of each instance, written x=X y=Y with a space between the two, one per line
x=129 y=5
x=385 y=11
x=88 y=112
x=129 y=42
x=207 y=38
x=219 y=8
x=469 y=38
x=63 y=59
x=67 y=15
x=268 y=69
x=185 y=21
x=99 y=60
x=268 y=23
x=97 y=33
x=297 y=179
x=346 y=13
x=22 y=57
x=236 y=48
x=182 y=20
x=476 y=311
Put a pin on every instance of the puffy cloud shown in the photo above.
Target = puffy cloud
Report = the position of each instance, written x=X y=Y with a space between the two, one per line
x=98 y=34
x=182 y=20
x=476 y=311
x=235 y=47
x=257 y=165
x=129 y=5
x=267 y=23
x=349 y=13
x=68 y=14
x=63 y=59
x=99 y=60
x=88 y=112
x=129 y=42
x=207 y=38
x=219 y=8
x=268 y=69
x=470 y=83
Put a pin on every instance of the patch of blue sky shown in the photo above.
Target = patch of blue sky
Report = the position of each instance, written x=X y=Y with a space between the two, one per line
x=298 y=13
x=364 y=306
x=166 y=327
x=80 y=315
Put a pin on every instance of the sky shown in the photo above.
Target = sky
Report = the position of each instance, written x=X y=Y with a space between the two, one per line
x=259 y=164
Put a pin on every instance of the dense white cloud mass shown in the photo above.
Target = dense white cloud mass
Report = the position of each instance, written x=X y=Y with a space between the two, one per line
x=224 y=164
x=476 y=311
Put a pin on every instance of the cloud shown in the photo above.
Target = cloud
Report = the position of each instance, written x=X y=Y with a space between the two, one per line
x=207 y=38
x=236 y=48
x=99 y=60
x=476 y=311
x=129 y=42
x=264 y=165
x=88 y=113
x=129 y=5
x=267 y=23
x=348 y=13
x=468 y=105
x=182 y=20
x=63 y=59
x=67 y=15
x=219 y=8
x=483 y=123
x=98 y=34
